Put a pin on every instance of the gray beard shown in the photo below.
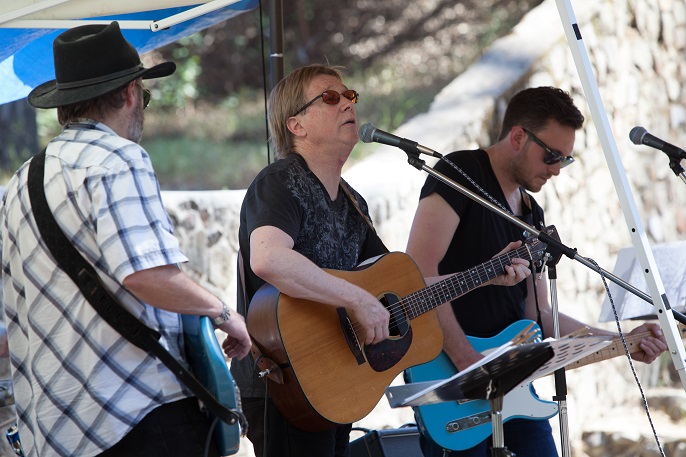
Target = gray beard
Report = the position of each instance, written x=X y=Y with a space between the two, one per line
x=136 y=125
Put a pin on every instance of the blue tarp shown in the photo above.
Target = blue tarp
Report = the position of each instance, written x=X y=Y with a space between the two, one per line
x=26 y=54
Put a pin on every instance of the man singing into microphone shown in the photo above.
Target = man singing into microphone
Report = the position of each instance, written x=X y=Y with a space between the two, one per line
x=299 y=217
x=451 y=231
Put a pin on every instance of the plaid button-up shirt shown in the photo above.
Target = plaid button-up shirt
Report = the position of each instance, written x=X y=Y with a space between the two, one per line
x=79 y=386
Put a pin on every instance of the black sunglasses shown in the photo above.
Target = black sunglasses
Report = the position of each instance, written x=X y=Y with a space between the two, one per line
x=146 y=96
x=331 y=97
x=552 y=156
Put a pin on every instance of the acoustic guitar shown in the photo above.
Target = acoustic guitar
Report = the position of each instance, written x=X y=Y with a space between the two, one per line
x=322 y=373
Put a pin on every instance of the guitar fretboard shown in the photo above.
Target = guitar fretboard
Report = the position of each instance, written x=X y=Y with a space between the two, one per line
x=615 y=349
x=424 y=300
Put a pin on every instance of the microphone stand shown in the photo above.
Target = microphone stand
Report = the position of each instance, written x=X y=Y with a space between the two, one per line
x=414 y=160
x=560 y=376
x=675 y=165
x=556 y=249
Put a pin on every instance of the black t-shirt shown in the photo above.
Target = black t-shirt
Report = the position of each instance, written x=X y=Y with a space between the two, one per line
x=332 y=234
x=288 y=196
x=480 y=235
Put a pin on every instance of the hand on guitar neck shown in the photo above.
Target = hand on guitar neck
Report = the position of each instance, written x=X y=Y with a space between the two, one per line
x=517 y=271
x=645 y=343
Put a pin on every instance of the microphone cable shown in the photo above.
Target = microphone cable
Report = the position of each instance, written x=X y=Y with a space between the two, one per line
x=628 y=356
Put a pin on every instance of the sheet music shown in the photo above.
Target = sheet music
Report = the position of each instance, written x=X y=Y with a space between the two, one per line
x=426 y=389
x=671 y=263
x=566 y=351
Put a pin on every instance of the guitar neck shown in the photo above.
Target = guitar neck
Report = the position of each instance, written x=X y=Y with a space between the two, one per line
x=424 y=300
x=614 y=349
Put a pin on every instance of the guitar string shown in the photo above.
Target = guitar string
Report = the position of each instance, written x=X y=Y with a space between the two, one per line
x=399 y=308
x=396 y=310
x=607 y=352
x=446 y=287
x=417 y=301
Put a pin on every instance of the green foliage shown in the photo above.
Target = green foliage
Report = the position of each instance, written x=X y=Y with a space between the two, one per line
x=185 y=163
x=182 y=88
x=205 y=127
x=48 y=127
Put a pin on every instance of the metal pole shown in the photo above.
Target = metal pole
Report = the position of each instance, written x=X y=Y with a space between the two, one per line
x=275 y=42
x=638 y=236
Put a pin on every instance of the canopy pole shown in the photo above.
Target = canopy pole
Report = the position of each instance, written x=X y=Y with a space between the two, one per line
x=25 y=11
x=275 y=42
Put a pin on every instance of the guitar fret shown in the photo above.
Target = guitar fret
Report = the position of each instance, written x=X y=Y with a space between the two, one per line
x=459 y=284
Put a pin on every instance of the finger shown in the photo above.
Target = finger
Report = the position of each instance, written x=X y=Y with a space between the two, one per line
x=524 y=272
x=385 y=332
x=652 y=346
x=652 y=351
x=369 y=339
x=377 y=335
x=380 y=333
x=518 y=261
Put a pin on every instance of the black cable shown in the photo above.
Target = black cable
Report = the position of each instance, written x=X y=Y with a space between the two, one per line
x=265 y=429
x=266 y=399
x=208 y=440
x=628 y=356
x=264 y=86
x=539 y=320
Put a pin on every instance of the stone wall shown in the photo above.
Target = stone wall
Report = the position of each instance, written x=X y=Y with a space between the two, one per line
x=636 y=49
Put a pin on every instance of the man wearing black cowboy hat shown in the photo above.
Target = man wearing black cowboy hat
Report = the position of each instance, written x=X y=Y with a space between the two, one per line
x=81 y=389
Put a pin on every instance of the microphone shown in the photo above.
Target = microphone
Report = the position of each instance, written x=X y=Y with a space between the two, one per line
x=639 y=135
x=369 y=133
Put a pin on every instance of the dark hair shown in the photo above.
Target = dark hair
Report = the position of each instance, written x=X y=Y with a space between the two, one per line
x=96 y=108
x=286 y=98
x=533 y=108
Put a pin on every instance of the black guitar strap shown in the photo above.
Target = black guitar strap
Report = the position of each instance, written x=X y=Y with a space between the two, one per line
x=85 y=277
x=356 y=204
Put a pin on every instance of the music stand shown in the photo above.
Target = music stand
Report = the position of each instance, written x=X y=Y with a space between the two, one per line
x=489 y=380
x=495 y=375
x=671 y=262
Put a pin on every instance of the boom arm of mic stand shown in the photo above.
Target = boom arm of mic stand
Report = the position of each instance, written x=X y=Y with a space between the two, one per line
x=414 y=160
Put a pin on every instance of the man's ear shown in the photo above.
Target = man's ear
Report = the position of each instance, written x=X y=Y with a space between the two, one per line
x=295 y=127
x=517 y=138
x=131 y=94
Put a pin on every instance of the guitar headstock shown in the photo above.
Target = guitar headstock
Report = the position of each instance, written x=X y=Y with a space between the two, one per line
x=537 y=248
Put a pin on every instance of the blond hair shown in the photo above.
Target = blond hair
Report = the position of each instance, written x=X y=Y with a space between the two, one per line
x=287 y=97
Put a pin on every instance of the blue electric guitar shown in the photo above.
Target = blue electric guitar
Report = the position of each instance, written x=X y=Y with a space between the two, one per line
x=464 y=424
x=209 y=367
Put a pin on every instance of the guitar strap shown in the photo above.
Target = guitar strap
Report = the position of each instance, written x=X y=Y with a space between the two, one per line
x=85 y=277
x=536 y=223
x=353 y=200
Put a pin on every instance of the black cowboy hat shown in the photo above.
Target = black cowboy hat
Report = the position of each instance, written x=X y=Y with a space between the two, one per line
x=90 y=61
